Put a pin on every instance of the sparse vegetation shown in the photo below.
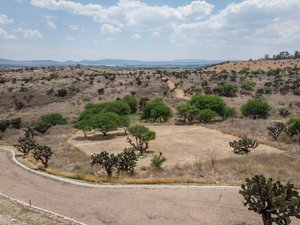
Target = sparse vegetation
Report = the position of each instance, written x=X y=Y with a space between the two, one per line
x=243 y=145
x=158 y=160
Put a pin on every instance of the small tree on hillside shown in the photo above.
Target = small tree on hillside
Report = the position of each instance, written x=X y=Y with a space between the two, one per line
x=293 y=127
x=227 y=90
x=105 y=160
x=132 y=102
x=256 y=109
x=105 y=122
x=187 y=112
x=83 y=125
x=275 y=130
x=26 y=143
x=43 y=153
x=214 y=103
x=4 y=124
x=275 y=202
x=243 y=145
x=157 y=111
x=142 y=136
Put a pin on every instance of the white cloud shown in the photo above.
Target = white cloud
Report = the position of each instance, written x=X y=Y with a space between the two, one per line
x=70 y=38
x=28 y=33
x=50 y=23
x=4 y=34
x=4 y=20
x=107 y=28
x=74 y=27
x=252 y=24
x=110 y=39
x=249 y=22
x=156 y=34
x=132 y=14
x=135 y=36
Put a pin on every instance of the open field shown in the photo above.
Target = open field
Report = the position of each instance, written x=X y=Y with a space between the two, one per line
x=180 y=144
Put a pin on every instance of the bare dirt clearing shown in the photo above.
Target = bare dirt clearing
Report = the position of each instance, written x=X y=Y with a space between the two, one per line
x=180 y=144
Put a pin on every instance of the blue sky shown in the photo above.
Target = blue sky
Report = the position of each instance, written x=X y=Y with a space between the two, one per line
x=147 y=30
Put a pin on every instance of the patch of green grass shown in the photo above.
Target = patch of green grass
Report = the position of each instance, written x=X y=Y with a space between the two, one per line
x=134 y=117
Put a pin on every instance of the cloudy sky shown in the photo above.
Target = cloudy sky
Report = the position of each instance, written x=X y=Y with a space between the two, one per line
x=147 y=29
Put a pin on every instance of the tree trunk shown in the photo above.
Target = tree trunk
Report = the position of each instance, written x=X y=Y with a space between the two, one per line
x=109 y=172
x=267 y=218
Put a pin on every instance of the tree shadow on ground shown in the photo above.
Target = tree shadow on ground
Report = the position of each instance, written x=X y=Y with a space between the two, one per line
x=100 y=137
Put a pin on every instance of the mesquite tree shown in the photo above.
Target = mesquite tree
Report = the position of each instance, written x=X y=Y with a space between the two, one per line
x=274 y=201
x=26 y=143
x=105 y=160
x=142 y=136
x=276 y=130
x=243 y=145
x=43 y=153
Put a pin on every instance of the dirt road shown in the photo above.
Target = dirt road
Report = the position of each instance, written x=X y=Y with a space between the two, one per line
x=91 y=205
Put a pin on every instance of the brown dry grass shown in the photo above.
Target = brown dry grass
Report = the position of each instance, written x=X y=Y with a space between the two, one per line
x=256 y=64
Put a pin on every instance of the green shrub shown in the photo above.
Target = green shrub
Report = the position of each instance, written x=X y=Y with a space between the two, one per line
x=73 y=89
x=16 y=123
x=158 y=160
x=40 y=126
x=4 y=124
x=206 y=115
x=229 y=112
x=105 y=122
x=53 y=119
x=131 y=101
x=227 y=90
x=293 y=127
x=62 y=92
x=119 y=107
x=214 y=103
x=248 y=85
x=187 y=111
x=157 y=111
x=256 y=109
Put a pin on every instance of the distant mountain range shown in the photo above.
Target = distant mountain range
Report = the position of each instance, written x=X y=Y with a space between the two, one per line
x=110 y=63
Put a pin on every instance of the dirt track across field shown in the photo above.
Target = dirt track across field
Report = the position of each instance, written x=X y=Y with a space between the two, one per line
x=134 y=206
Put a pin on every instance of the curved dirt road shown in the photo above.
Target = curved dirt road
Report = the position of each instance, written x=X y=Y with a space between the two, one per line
x=91 y=205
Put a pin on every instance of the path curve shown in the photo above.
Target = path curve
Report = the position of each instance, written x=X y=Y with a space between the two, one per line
x=94 y=205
